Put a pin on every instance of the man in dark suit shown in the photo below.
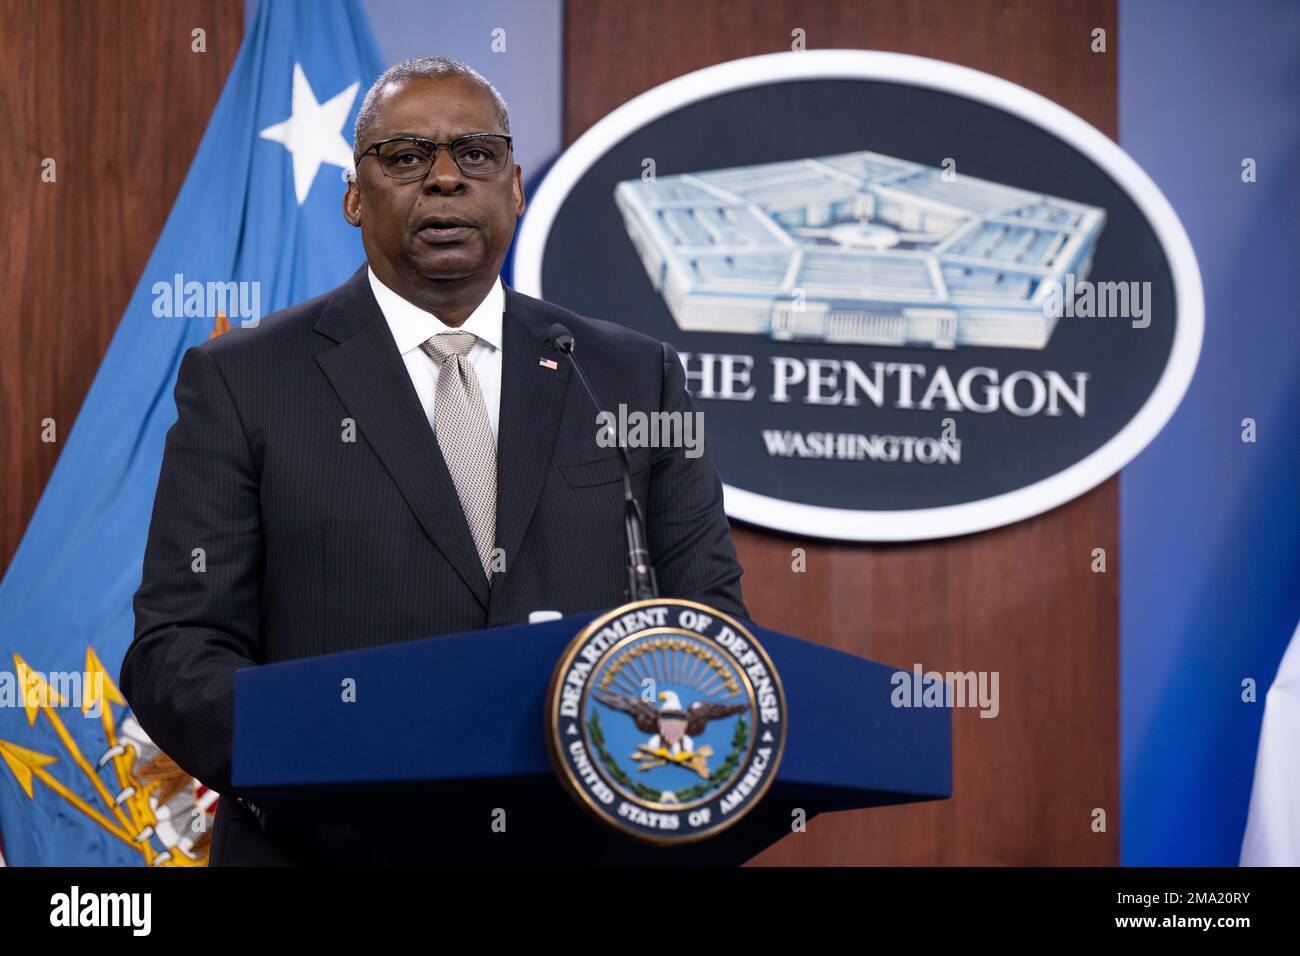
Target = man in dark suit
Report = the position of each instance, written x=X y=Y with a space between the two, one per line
x=406 y=456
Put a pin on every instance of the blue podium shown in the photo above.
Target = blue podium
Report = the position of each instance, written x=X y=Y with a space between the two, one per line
x=422 y=745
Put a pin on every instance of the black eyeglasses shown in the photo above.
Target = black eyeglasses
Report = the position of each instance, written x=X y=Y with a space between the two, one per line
x=407 y=158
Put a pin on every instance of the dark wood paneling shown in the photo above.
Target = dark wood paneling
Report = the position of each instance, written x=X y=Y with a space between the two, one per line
x=112 y=92
x=1020 y=600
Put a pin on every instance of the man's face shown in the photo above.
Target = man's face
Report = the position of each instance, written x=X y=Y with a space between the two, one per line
x=391 y=213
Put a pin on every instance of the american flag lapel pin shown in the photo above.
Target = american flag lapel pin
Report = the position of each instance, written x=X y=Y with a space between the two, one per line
x=548 y=363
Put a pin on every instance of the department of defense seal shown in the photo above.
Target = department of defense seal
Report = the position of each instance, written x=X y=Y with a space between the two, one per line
x=666 y=719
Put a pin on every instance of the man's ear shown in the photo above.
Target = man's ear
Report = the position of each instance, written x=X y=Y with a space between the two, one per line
x=520 y=202
x=352 y=202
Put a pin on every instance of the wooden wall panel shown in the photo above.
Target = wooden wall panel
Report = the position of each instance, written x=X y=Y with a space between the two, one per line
x=1020 y=600
x=112 y=92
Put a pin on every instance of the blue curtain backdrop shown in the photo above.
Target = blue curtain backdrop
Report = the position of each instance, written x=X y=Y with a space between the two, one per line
x=1210 y=529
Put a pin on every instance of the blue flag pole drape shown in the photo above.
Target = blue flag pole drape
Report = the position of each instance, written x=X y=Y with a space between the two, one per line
x=257 y=226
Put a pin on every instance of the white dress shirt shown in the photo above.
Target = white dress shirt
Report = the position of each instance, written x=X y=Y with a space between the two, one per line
x=411 y=325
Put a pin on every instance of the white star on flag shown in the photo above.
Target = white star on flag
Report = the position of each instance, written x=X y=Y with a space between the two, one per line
x=314 y=133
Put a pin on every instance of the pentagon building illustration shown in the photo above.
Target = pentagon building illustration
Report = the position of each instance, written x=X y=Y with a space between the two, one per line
x=858 y=248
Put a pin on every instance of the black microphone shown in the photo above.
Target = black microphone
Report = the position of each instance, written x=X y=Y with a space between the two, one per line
x=641 y=583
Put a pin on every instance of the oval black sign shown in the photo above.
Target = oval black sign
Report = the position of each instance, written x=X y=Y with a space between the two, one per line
x=912 y=300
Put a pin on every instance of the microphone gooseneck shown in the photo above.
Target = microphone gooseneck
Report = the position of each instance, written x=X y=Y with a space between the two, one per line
x=641 y=582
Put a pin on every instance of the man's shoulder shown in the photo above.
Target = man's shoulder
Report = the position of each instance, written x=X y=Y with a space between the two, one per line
x=593 y=336
x=294 y=329
x=286 y=328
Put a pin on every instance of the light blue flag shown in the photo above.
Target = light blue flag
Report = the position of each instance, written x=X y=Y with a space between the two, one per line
x=257 y=226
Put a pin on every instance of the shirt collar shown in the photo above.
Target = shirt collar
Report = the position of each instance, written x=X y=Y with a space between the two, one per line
x=411 y=325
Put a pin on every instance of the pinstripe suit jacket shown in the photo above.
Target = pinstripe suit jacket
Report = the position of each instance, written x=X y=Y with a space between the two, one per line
x=313 y=544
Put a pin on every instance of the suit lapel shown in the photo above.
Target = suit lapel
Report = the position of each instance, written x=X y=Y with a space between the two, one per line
x=367 y=372
x=532 y=397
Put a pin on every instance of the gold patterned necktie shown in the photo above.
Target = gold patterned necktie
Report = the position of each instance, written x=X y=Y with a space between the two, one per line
x=464 y=434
